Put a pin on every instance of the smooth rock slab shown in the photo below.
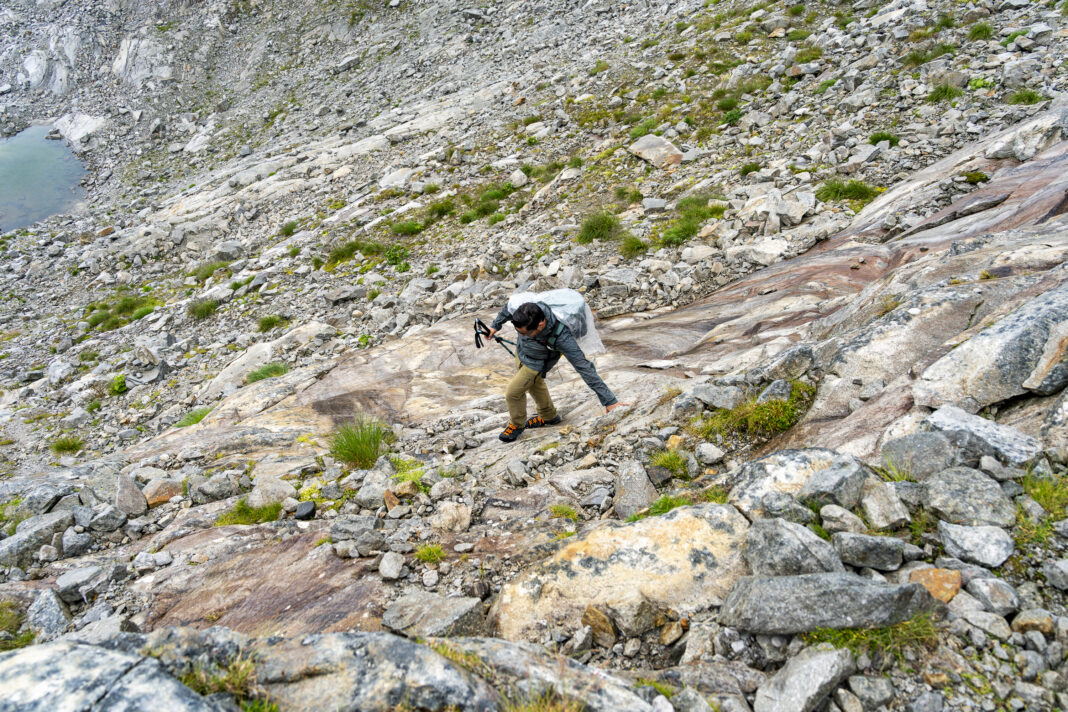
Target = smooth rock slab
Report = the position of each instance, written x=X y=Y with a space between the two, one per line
x=367 y=671
x=805 y=681
x=974 y=437
x=786 y=605
x=986 y=546
x=72 y=677
x=686 y=560
x=785 y=471
x=776 y=547
x=656 y=150
x=883 y=553
x=427 y=615
x=965 y=496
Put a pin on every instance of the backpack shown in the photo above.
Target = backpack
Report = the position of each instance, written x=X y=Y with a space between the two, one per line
x=570 y=310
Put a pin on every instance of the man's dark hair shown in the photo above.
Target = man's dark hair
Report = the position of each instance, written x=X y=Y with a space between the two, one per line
x=527 y=316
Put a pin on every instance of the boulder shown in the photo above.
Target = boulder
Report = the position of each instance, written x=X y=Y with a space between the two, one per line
x=424 y=615
x=882 y=553
x=882 y=506
x=996 y=595
x=269 y=490
x=30 y=535
x=785 y=605
x=984 y=545
x=839 y=483
x=974 y=437
x=47 y=616
x=160 y=490
x=685 y=560
x=451 y=517
x=634 y=491
x=789 y=471
x=776 y=547
x=919 y=454
x=805 y=681
x=66 y=675
x=128 y=497
x=656 y=150
x=107 y=519
x=965 y=496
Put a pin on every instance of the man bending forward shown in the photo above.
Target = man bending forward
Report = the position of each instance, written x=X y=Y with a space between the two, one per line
x=542 y=340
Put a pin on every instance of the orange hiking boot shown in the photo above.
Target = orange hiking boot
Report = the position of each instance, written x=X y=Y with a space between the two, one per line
x=510 y=434
x=538 y=422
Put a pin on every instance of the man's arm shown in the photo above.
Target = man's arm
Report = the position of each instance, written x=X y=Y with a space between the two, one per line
x=503 y=316
x=567 y=346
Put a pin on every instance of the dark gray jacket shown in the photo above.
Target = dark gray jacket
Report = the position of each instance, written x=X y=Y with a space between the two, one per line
x=534 y=353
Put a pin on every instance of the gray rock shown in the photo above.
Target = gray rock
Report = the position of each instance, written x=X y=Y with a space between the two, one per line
x=74 y=543
x=30 y=535
x=656 y=150
x=725 y=397
x=986 y=546
x=100 y=631
x=66 y=675
x=786 y=605
x=882 y=506
x=782 y=506
x=805 y=681
x=1056 y=573
x=840 y=483
x=218 y=486
x=996 y=595
x=931 y=701
x=689 y=700
x=789 y=471
x=107 y=519
x=128 y=497
x=147 y=561
x=839 y=519
x=708 y=454
x=965 y=496
x=392 y=566
x=776 y=547
x=778 y=390
x=874 y=692
x=974 y=437
x=47 y=616
x=69 y=585
x=634 y=491
x=351 y=526
x=883 y=553
x=426 y=615
x=269 y=490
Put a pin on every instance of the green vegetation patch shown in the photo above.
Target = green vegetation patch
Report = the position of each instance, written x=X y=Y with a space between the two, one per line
x=270 y=370
x=760 y=420
x=10 y=621
x=1025 y=96
x=242 y=513
x=563 y=511
x=673 y=461
x=693 y=211
x=889 y=641
x=200 y=309
x=430 y=553
x=663 y=504
x=193 y=417
x=599 y=226
x=67 y=445
x=361 y=443
x=980 y=31
x=943 y=92
x=205 y=270
x=269 y=322
x=856 y=191
x=880 y=136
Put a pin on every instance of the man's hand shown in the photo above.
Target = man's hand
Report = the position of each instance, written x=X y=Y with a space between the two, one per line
x=492 y=331
x=610 y=408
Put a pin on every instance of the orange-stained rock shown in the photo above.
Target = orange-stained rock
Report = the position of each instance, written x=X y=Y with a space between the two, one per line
x=391 y=500
x=1033 y=619
x=943 y=584
x=160 y=491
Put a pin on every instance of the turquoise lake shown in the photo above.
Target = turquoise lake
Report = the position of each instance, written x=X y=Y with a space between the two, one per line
x=38 y=178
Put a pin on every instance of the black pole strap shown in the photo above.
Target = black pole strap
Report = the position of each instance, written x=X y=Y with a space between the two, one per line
x=482 y=330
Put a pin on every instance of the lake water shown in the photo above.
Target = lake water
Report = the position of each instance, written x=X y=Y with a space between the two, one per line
x=38 y=178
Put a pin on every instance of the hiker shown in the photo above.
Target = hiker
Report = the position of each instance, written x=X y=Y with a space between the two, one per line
x=542 y=340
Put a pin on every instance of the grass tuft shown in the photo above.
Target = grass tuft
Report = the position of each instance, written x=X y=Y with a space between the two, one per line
x=1025 y=96
x=759 y=419
x=68 y=444
x=890 y=641
x=270 y=370
x=430 y=553
x=599 y=226
x=980 y=31
x=664 y=504
x=193 y=417
x=271 y=321
x=943 y=92
x=10 y=622
x=361 y=443
x=202 y=308
x=207 y=269
x=563 y=511
x=880 y=136
x=846 y=190
x=673 y=461
x=1050 y=492
x=242 y=513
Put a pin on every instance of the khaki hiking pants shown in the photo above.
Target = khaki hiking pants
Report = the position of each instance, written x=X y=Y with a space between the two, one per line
x=527 y=380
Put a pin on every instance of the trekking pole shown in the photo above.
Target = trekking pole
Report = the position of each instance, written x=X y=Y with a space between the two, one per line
x=482 y=330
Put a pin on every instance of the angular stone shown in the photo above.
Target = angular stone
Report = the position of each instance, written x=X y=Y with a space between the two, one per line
x=159 y=491
x=1037 y=619
x=74 y=543
x=656 y=150
x=776 y=547
x=451 y=517
x=974 y=437
x=874 y=692
x=304 y=511
x=990 y=623
x=634 y=491
x=633 y=614
x=128 y=497
x=392 y=567
x=30 y=535
x=883 y=553
x=269 y=490
x=47 y=616
x=986 y=546
x=882 y=506
x=805 y=681
x=684 y=560
x=424 y=615
x=1056 y=573
x=840 y=483
x=107 y=519
x=788 y=471
x=965 y=496
x=69 y=585
x=919 y=454
x=839 y=519
x=66 y=675
x=786 y=605
x=943 y=584
x=995 y=595
x=351 y=526
x=725 y=397
x=601 y=625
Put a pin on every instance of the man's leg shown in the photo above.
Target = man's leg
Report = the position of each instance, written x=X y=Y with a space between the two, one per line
x=516 y=395
x=539 y=391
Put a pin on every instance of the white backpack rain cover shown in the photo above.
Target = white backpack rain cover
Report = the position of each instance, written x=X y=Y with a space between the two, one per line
x=569 y=307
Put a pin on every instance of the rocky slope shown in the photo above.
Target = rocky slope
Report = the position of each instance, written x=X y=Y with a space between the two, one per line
x=846 y=405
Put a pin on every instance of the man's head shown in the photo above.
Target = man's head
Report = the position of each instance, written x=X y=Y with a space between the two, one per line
x=528 y=319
